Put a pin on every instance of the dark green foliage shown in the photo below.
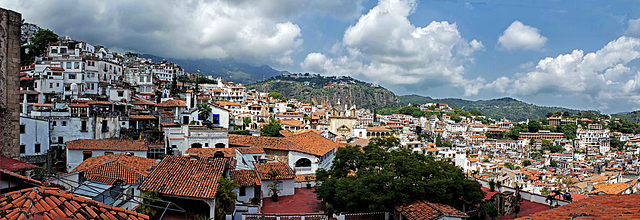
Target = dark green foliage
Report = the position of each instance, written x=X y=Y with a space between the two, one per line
x=240 y=132
x=225 y=196
x=534 y=126
x=526 y=163
x=624 y=126
x=40 y=43
x=277 y=95
x=514 y=132
x=376 y=178
x=553 y=163
x=508 y=108
x=272 y=129
x=546 y=145
x=353 y=92
x=616 y=144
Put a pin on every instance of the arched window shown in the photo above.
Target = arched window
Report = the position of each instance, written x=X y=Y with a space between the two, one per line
x=303 y=162
x=220 y=145
x=196 y=145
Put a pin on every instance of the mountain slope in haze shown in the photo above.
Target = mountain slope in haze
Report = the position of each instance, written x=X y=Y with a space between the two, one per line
x=228 y=69
x=328 y=90
x=633 y=116
x=508 y=108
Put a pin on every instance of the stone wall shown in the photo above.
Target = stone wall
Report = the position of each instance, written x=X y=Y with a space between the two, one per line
x=10 y=22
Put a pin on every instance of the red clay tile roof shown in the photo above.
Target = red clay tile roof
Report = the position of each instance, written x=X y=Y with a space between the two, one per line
x=99 y=103
x=104 y=144
x=13 y=164
x=52 y=203
x=596 y=207
x=142 y=117
x=424 y=210
x=78 y=105
x=291 y=122
x=309 y=143
x=245 y=177
x=285 y=171
x=173 y=103
x=285 y=133
x=184 y=176
x=110 y=168
x=208 y=152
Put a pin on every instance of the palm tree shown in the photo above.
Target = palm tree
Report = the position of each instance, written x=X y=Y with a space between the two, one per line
x=204 y=110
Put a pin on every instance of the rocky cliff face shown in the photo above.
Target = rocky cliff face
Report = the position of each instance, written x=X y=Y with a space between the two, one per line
x=361 y=94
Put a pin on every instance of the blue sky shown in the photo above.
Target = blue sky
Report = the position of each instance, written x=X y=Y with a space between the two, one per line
x=576 y=54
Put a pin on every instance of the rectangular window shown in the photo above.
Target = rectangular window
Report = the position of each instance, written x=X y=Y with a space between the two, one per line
x=216 y=119
x=76 y=65
x=22 y=128
x=36 y=85
x=57 y=84
x=86 y=155
x=53 y=123
x=54 y=50
x=68 y=65
x=104 y=126
x=243 y=191
x=22 y=149
x=64 y=123
x=83 y=127
x=120 y=94
x=72 y=76
x=60 y=140
x=37 y=146
x=63 y=50
x=50 y=85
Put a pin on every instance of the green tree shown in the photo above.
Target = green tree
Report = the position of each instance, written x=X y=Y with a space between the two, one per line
x=40 y=43
x=225 y=196
x=245 y=122
x=617 y=144
x=378 y=177
x=149 y=200
x=174 y=87
x=277 y=95
x=272 y=129
x=490 y=209
x=553 y=163
x=534 y=126
x=526 y=163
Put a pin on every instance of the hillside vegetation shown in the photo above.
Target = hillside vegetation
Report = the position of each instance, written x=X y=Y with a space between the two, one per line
x=328 y=90
x=508 y=108
x=633 y=116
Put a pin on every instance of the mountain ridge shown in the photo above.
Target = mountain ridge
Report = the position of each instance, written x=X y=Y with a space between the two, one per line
x=505 y=107
x=228 y=69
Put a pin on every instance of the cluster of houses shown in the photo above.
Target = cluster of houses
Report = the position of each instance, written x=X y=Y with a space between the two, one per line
x=116 y=126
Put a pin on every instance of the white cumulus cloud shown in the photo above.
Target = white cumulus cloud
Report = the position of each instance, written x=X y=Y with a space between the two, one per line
x=385 y=47
x=259 y=31
x=519 y=36
x=602 y=76
x=634 y=28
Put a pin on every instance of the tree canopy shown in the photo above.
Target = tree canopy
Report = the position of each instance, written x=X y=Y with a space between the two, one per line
x=377 y=177
x=277 y=95
x=40 y=42
x=272 y=129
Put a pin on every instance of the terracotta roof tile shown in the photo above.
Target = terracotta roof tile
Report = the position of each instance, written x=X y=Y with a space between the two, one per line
x=173 y=103
x=209 y=152
x=7 y=172
x=142 y=117
x=285 y=171
x=596 y=207
x=186 y=176
x=424 y=210
x=105 y=144
x=110 y=168
x=309 y=142
x=245 y=177
x=53 y=203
